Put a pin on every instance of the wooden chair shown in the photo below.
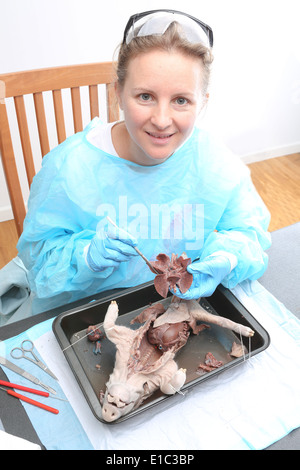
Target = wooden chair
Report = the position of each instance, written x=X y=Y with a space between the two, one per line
x=35 y=82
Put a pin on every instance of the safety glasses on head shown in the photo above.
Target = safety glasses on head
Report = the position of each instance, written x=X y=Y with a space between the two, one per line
x=157 y=22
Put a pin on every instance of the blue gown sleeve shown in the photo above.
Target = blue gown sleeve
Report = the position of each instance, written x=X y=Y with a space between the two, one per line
x=57 y=231
x=242 y=231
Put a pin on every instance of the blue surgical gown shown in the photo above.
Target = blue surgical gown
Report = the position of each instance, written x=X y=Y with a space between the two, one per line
x=199 y=201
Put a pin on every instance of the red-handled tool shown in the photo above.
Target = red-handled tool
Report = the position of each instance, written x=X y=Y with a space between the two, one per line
x=28 y=400
x=25 y=389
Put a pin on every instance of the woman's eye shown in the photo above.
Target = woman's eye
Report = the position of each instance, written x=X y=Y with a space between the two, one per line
x=181 y=101
x=145 y=97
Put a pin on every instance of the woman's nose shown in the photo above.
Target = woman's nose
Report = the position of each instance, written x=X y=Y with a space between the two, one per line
x=161 y=117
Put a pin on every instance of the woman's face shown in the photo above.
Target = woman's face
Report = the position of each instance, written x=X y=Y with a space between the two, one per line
x=161 y=100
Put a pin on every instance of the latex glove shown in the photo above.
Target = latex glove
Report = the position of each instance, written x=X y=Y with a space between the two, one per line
x=207 y=275
x=110 y=248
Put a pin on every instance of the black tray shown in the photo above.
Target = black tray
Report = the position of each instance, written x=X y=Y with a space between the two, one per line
x=70 y=326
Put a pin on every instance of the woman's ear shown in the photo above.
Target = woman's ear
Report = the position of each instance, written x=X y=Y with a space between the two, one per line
x=205 y=101
x=203 y=104
x=203 y=107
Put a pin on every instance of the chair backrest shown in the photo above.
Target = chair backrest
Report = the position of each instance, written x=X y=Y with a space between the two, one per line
x=36 y=82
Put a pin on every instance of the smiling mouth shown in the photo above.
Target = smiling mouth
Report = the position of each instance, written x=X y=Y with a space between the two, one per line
x=155 y=135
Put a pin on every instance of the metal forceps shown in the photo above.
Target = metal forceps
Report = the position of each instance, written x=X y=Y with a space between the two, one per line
x=29 y=349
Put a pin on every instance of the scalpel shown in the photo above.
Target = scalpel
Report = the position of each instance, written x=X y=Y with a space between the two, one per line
x=10 y=365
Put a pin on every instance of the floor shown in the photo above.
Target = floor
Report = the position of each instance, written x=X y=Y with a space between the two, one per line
x=277 y=180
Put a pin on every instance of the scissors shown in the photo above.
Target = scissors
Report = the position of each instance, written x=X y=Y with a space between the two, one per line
x=23 y=349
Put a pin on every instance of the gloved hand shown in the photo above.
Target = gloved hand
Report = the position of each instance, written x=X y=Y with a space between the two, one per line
x=109 y=248
x=207 y=275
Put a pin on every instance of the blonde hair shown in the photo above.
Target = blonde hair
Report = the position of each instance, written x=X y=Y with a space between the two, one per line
x=171 y=40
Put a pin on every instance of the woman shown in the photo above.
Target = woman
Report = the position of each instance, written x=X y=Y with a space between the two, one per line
x=169 y=185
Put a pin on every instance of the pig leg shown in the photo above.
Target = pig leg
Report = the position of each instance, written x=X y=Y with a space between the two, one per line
x=175 y=383
x=116 y=333
x=111 y=315
x=197 y=312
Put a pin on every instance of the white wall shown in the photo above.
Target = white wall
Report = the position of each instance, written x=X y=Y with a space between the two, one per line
x=255 y=89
